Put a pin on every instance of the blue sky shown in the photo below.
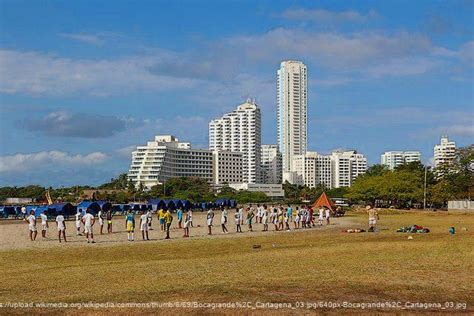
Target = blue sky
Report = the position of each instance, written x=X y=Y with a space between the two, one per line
x=82 y=82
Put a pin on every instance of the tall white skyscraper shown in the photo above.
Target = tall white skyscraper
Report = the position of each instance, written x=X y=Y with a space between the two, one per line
x=393 y=159
x=271 y=164
x=240 y=131
x=445 y=152
x=292 y=107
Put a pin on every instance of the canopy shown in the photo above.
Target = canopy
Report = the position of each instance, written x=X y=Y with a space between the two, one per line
x=67 y=209
x=323 y=200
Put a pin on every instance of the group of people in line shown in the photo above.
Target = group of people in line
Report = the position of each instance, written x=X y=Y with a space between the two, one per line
x=278 y=216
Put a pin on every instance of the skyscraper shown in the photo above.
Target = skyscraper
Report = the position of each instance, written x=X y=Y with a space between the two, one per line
x=240 y=131
x=393 y=159
x=292 y=106
x=271 y=164
x=445 y=152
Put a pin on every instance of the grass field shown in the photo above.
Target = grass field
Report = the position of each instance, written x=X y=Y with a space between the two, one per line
x=311 y=266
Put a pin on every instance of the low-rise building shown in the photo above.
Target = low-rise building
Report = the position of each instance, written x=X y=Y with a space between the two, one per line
x=393 y=159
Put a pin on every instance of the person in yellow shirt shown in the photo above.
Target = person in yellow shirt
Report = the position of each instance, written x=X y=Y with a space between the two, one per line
x=168 y=220
x=161 y=217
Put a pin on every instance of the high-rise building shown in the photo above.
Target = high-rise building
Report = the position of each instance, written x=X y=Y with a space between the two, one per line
x=271 y=164
x=346 y=167
x=312 y=169
x=165 y=158
x=240 y=131
x=292 y=107
x=445 y=152
x=393 y=159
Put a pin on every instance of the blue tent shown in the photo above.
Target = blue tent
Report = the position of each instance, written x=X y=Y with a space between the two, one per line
x=40 y=209
x=84 y=205
x=138 y=207
x=104 y=205
x=67 y=209
x=120 y=208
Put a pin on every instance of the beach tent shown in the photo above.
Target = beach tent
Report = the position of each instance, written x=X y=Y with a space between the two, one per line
x=67 y=209
x=156 y=204
x=170 y=204
x=120 y=208
x=104 y=205
x=323 y=200
x=139 y=207
x=84 y=205
x=40 y=209
x=186 y=204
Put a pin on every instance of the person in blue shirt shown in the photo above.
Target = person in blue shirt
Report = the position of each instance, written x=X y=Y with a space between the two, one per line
x=289 y=213
x=179 y=214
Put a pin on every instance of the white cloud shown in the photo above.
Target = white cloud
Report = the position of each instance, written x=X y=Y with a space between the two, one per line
x=95 y=39
x=48 y=159
x=326 y=16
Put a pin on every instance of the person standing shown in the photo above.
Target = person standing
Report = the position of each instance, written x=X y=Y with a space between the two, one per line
x=108 y=217
x=238 y=220
x=210 y=218
x=328 y=215
x=289 y=214
x=149 y=219
x=31 y=219
x=275 y=218
x=281 y=220
x=287 y=220
x=187 y=223
x=44 y=224
x=310 y=217
x=250 y=216
x=101 y=222
x=78 y=222
x=168 y=221
x=130 y=226
x=144 y=226
x=241 y=215
x=179 y=214
x=88 y=220
x=161 y=217
x=224 y=220
x=190 y=213
x=60 y=222
x=321 y=216
x=265 y=218
x=373 y=218
x=297 y=218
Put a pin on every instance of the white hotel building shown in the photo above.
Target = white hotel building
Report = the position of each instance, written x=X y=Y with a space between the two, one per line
x=393 y=159
x=312 y=169
x=346 y=167
x=165 y=158
x=445 y=152
x=292 y=107
x=240 y=131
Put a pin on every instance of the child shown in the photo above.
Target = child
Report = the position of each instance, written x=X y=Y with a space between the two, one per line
x=265 y=218
x=238 y=220
x=130 y=226
x=144 y=226
x=258 y=215
x=289 y=212
x=275 y=218
x=44 y=224
x=250 y=216
x=187 y=223
x=328 y=214
x=297 y=218
x=224 y=221
x=149 y=219
x=101 y=222
x=78 y=223
x=161 y=217
x=309 y=221
x=179 y=214
x=61 y=226
x=88 y=220
x=210 y=218
x=321 y=216
x=280 y=218
x=168 y=221
x=109 y=222
x=31 y=219
x=287 y=219
x=190 y=213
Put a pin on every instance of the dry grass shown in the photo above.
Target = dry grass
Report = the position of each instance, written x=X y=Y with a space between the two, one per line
x=317 y=265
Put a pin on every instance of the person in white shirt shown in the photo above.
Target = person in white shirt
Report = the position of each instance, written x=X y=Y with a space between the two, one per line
x=78 y=223
x=238 y=221
x=265 y=218
x=321 y=216
x=297 y=218
x=328 y=214
x=88 y=220
x=187 y=223
x=23 y=212
x=224 y=220
x=44 y=224
x=31 y=219
x=61 y=226
x=210 y=218
x=241 y=215
x=144 y=226
x=101 y=221
x=150 y=219
x=190 y=213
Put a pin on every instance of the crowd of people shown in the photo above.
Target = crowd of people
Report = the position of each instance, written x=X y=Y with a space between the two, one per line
x=280 y=217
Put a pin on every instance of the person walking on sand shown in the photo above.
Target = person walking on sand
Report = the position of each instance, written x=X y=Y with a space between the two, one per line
x=275 y=218
x=88 y=220
x=78 y=222
x=168 y=221
x=100 y=216
x=190 y=213
x=161 y=218
x=31 y=220
x=321 y=216
x=179 y=215
x=250 y=216
x=210 y=218
x=144 y=226
x=108 y=217
x=150 y=219
x=187 y=224
x=241 y=215
x=289 y=214
x=60 y=222
x=224 y=220
x=373 y=218
x=130 y=226
x=238 y=221
x=44 y=224
x=328 y=215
